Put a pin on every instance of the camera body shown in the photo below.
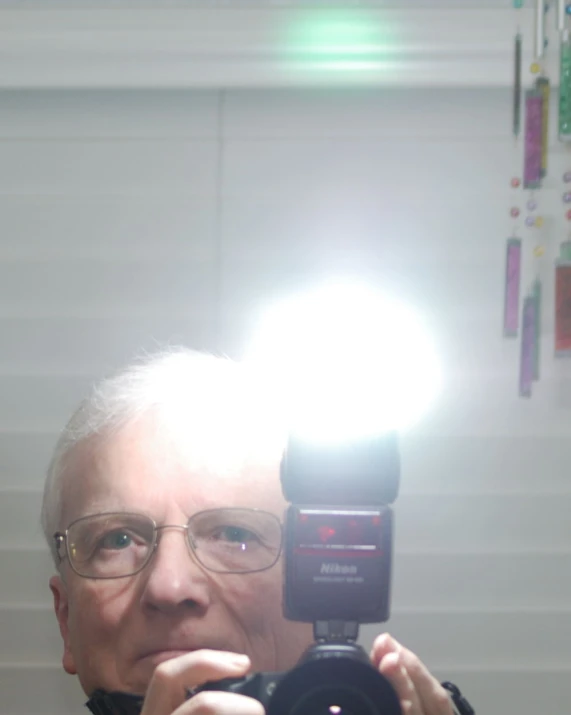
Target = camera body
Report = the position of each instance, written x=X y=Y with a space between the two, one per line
x=337 y=575
x=330 y=678
x=260 y=686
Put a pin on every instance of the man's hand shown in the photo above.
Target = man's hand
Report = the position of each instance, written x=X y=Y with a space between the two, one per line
x=166 y=694
x=418 y=691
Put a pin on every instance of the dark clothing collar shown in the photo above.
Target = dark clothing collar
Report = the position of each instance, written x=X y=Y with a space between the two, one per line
x=103 y=703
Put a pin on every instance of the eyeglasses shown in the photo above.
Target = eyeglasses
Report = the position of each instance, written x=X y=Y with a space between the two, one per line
x=115 y=545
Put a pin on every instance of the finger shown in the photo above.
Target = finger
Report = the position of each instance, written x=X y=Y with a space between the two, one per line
x=212 y=702
x=433 y=697
x=383 y=645
x=171 y=679
x=391 y=666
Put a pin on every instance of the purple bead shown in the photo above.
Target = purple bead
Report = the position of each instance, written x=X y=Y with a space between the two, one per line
x=514 y=213
x=567 y=177
x=529 y=221
x=532 y=205
x=567 y=197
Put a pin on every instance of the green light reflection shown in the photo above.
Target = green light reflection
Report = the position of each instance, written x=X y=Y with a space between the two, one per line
x=341 y=40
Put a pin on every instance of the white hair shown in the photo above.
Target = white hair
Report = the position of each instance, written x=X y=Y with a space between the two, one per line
x=211 y=402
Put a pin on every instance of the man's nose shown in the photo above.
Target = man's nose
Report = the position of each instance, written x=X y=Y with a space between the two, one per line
x=174 y=579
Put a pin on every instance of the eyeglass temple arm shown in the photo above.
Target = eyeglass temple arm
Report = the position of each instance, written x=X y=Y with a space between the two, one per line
x=59 y=539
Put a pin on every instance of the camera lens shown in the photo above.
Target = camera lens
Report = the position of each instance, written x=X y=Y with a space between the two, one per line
x=347 y=702
x=334 y=686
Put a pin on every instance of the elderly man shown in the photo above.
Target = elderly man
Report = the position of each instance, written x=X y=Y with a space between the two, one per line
x=162 y=508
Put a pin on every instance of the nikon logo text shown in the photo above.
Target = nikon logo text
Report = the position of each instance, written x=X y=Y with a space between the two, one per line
x=338 y=569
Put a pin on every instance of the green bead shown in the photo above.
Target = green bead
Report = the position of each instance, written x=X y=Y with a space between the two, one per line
x=518 y=3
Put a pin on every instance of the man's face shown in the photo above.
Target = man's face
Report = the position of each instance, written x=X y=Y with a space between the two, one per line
x=109 y=627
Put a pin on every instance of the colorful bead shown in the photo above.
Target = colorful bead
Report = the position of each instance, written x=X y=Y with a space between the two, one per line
x=567 y=197
x=568 y=9
x=532 y=205
x=529 y=221
x=538 y=251
x=539 y=221
x=567 y=177
x=515 y=182
x=514 y=213
x=518 y=4
x=535 y=68
x=568 y=215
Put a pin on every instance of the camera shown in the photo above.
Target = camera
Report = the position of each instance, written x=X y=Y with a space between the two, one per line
x=338 y=553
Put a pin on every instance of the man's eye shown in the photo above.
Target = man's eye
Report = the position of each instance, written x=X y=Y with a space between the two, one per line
x=236 y=534
x=115 y=540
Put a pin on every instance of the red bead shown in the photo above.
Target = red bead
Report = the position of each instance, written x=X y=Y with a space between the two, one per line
x=515 y=182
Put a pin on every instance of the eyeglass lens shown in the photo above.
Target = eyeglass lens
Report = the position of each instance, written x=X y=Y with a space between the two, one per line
x=223 y=540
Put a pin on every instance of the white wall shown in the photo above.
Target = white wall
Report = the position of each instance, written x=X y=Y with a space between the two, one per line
x=132 y=218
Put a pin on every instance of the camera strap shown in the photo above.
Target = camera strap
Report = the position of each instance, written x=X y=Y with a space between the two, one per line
x=461 y=705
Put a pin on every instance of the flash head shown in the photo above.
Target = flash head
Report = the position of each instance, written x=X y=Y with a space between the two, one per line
x=356 y=472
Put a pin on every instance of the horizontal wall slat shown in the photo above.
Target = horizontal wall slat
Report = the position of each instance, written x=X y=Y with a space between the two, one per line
x=38 y=288
x=322 y=114
x=485 y=523
x=481 y=582
x=492 y=463
x=107 y=227
x=33 y=690
x=24 y=458
x=482 y=640
x=80 y=114
x=343 y=166
x=91 y=347
x=36 y=404
x=106 y=167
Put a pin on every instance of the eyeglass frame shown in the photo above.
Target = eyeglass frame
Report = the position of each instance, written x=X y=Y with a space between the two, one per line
x=60 y=538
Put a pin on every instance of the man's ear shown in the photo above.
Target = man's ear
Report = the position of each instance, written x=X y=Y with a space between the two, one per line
x=61 y=608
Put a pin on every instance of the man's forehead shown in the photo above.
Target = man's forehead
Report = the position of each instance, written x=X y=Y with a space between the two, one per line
x=134 y=470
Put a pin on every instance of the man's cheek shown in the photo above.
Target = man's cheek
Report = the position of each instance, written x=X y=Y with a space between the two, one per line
x=266 y=612
x=96 y=619
x=256 y=599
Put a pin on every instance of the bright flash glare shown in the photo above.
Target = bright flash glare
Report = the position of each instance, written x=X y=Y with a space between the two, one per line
x=346 y=362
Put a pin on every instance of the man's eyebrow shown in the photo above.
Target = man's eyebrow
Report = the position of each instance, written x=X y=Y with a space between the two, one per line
x=107 y=508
